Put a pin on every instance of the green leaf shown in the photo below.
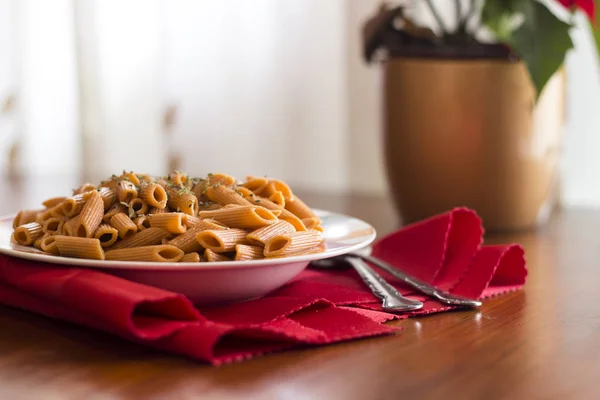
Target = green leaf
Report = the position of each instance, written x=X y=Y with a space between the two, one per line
x=542 y=41
x=499 y=16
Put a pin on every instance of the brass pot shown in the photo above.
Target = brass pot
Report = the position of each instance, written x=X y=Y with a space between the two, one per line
x=469 y=133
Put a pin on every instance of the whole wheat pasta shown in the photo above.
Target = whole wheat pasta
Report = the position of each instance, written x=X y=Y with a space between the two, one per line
x=72 y=205
x=171 y=222
x=25 y=217
x=156 y=210
x=86 y=187
x=38 y=242
x=212 y=218
x=182 y=200
x=187 y=241
x=126 y=191
x=109 y=197
x=300 y=209
x=137 y=206
x=158 y=253
x=115 y=209
x=243 y=217
x=225 y=195
x=53 y=225
x=211 y=256
x=245 y=252
x=141 y=222
x=147 y=237
x=28 y=233
x=91 y=215
x=131 y=177
x=79 y=247
x=256 y=184
x=48 y=244
x=178 y=178
x=278 y=199
x=124 y=225
x=154 y=195
x=274 y=186
x=107 y=235
x=262 y=235
x=191 y=257
x=221 y=241
x=53 y=201
x=286 y=245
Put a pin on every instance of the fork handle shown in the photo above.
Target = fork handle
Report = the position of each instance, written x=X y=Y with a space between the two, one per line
x=392 y=301
x=421 y=286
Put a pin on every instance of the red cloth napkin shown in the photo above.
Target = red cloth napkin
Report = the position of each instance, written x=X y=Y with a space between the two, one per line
x=316 y=308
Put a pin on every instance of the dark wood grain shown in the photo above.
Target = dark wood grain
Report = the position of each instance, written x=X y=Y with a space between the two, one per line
x=542 y=342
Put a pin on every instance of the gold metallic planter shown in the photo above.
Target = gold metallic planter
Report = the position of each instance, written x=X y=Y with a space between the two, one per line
x=466 y=133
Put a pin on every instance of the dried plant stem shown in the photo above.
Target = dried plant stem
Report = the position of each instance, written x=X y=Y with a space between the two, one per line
x=437 y=16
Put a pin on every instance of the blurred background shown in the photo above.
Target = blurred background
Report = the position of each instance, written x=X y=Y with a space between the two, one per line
x=277 y=87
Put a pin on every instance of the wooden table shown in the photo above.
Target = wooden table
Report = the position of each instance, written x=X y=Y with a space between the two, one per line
x=543 y=342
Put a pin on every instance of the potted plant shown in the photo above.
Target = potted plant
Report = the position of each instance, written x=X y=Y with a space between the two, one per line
x=473 y=114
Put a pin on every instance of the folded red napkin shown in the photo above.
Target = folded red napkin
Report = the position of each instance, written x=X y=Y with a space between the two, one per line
x=316 y=308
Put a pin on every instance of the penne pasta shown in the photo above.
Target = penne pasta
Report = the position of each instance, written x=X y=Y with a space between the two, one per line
x=107 y=235
x=262 y=235
x=278 y=199
x=286 y=245
x=256 y=185
x=86 y=187
x=69 y=228
x=79 y=247
x=292 y=219
x=147 y=237
x=300 y=209
x=109 y=197
x=141 y=222
x=243 y=217
x=225 y=195
x=158 y=253
x=126 y=191
x=73 y=205
x=115 y=209
x=187 y=241
x=182 y=200
x=137 y=206
x=91 y=215
x=25 y=217
x=131 y=177
x=221 y=241
x=155 y=210
x=48 y=244
x=154 y=195
x=311 y=223
x=136 y=217
x=211 y=256
x=245 y=252
x=171 y=222
x=178 y=178
x=124 y=225
x=28 y=233
x=53 y=201
x=53 y=225
x=191 y=257
x=278 y=186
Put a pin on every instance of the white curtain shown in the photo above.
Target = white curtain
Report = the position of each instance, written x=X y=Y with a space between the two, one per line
x=273 y=87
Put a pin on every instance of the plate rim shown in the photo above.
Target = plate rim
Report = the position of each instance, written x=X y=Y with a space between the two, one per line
x=189 y=266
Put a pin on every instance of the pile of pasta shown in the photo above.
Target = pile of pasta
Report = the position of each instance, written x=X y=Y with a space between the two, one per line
x=134 y=217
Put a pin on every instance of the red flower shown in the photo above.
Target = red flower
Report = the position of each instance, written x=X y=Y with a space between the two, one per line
x=588 y=7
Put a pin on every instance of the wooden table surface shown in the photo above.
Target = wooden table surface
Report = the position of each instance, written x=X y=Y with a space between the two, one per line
x=542 y=342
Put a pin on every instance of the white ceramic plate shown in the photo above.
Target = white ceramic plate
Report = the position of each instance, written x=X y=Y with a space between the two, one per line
x=214 y=282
